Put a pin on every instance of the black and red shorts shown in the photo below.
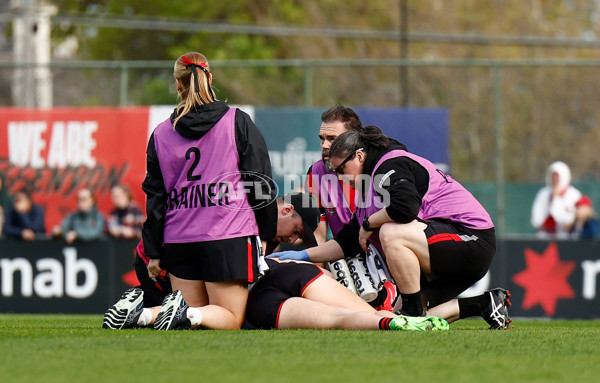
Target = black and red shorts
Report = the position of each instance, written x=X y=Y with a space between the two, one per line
x=459 y=256
x=233 y=259
x=155 y=289
x=284 y=280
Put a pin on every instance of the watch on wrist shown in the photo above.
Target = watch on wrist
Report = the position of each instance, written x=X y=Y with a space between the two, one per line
x=366 y=226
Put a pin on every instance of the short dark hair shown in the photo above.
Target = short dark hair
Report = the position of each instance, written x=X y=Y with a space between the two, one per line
x=346 y=115
x=25 y=193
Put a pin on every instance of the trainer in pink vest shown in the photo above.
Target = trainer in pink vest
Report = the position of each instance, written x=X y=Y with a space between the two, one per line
x=445 y=199
x=207 y=200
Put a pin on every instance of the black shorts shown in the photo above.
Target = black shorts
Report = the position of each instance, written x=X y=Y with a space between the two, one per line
x=231 y=259
x=283 y=280
x=154 y=290
x=459 y=256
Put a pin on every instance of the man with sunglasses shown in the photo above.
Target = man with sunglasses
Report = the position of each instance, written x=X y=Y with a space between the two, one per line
x=336 y=198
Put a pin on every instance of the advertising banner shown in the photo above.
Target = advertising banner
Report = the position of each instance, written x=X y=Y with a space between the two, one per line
x=54 y=153
x=292 y=136
x=546 y=279
x=424 y=131
x=48 y=276
x=551 y=279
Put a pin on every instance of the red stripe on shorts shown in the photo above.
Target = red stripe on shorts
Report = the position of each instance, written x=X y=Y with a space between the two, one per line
x=250 y=263
x=443 y=237
x=309 y=282
x=278 y=313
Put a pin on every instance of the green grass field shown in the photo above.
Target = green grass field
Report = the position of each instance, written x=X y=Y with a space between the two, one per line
x=74 y=348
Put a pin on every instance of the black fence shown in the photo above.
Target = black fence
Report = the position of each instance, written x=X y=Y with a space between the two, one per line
x=554 y=279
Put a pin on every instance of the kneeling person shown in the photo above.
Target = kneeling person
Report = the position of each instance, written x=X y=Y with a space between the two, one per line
x=139 y=306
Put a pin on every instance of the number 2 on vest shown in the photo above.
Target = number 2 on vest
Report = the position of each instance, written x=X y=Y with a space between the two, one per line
x=190 y=173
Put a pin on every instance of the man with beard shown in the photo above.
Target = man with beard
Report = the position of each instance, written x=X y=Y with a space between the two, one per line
x=336 y=198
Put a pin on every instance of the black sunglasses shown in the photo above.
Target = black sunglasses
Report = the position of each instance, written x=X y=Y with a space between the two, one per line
x=340 y=168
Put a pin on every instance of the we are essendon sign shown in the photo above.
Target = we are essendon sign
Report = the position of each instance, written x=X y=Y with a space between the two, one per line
x=56 y=152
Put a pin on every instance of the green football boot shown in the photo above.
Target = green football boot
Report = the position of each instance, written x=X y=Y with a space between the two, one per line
x=426 y=323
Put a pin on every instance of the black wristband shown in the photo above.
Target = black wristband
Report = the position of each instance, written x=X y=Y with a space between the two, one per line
x=366 y=226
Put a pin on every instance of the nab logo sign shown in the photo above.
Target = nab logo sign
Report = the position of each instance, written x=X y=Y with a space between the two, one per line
x=51 y=279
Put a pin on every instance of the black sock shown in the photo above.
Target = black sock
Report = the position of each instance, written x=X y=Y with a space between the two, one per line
x=471 y=307
x=411 y=304
x=381 y=297
x=384 y=323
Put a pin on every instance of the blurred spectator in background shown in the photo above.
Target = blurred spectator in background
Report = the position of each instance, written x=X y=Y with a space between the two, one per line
x=586 y=222
x=25 y=219
x=553 y=211
x=86 y=224
x=5 y=202
x=126 y=219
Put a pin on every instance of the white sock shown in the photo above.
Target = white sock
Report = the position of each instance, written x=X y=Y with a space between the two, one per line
x=194 y=315
x=145 y=317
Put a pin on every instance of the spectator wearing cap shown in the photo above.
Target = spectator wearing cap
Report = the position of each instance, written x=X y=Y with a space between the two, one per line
x=586 y=222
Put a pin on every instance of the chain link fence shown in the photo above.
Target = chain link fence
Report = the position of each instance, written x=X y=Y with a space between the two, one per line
x=508 y=119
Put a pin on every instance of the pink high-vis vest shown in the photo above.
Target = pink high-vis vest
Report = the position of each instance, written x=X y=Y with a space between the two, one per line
x=445 y=199
x=206 y=197
x=331 y=197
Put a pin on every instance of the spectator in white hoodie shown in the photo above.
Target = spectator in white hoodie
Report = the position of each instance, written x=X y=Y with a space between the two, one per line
x=553 y=211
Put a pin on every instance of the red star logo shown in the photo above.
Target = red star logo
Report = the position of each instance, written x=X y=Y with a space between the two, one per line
x=545 y=279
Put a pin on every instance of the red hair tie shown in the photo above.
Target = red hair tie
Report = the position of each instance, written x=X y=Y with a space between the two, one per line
x=192 y=65
x=188 y=63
